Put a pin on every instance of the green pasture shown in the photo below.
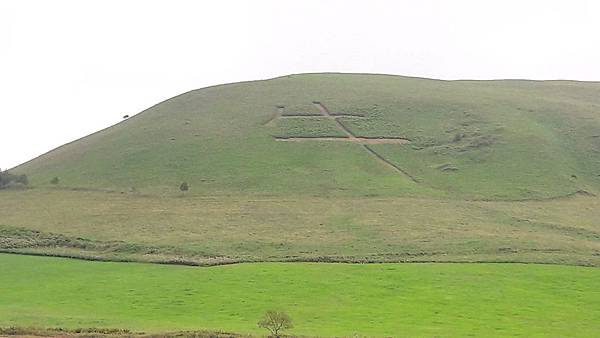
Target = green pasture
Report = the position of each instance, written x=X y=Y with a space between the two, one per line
x=416 y=300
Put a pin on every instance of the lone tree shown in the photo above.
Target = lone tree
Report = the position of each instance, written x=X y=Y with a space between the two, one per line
x=55 y=180
x=184 y=187
x=276 y=321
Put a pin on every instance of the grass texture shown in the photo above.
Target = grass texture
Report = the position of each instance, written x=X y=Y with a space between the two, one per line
x=416 y=300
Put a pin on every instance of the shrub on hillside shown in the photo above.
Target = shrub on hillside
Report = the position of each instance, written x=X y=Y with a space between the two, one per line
x=11 y=181
x=184 y=187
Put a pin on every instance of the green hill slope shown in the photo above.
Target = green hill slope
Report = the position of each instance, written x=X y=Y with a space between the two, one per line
x=469 y=139
x=336 y=167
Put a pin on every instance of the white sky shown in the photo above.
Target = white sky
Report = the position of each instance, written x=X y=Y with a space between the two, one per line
x=69 y=68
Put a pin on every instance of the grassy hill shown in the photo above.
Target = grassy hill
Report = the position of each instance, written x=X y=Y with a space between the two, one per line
x=319 y=168
x=469 y=139
x=337 y=167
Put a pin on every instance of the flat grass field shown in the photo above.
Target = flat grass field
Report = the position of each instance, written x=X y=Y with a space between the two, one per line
x=416 y=300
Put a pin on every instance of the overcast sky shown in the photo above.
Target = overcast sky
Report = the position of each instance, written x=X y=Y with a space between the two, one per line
x=69 y=68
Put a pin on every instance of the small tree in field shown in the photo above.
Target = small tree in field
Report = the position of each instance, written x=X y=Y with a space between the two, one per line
x=55 y=180
x=275 y=321
x=184 y=187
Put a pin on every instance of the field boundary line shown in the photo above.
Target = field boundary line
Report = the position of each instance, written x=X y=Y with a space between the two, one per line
x=320 y=260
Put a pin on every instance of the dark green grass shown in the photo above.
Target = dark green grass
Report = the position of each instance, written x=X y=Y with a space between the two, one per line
x=442 y=300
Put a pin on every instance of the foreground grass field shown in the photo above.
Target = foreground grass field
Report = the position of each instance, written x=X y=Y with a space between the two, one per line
x=443 y=300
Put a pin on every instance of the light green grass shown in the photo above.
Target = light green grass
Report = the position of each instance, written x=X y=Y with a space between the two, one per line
x=416 y=300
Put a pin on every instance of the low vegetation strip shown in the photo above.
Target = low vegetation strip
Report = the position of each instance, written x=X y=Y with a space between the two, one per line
x=106 y=332
x=221 y=230
x=19 y=238
x=36 y=243
x=454 y=300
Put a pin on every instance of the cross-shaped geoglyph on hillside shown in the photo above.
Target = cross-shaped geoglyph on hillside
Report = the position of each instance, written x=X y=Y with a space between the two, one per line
x=335 y=117
x=349 y=135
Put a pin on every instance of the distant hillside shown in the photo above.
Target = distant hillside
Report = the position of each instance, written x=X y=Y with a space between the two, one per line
x=454 y=139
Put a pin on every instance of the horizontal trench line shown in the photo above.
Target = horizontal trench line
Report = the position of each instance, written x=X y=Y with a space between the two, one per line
x=320 y=115
x=360 y=140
